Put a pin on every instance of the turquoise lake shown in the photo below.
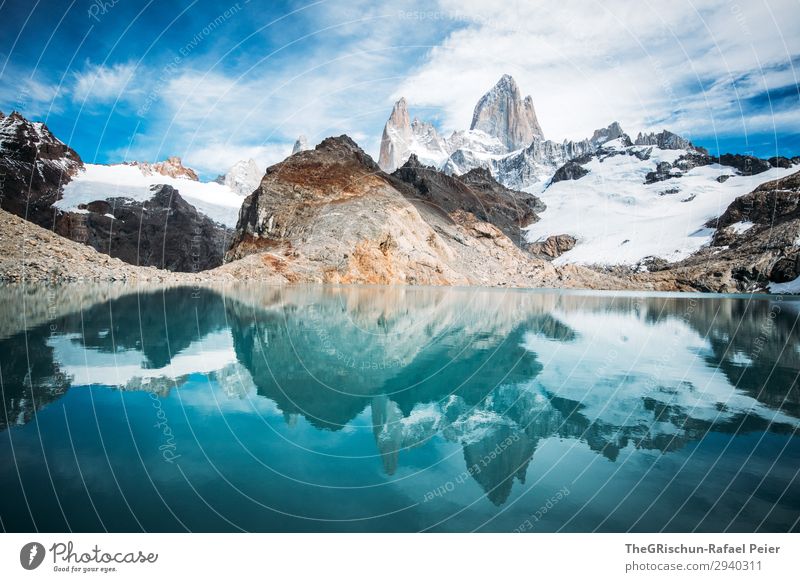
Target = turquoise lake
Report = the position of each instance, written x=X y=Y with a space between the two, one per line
x=256 y=408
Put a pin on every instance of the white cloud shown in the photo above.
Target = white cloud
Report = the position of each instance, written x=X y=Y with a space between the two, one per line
x=587 y=64
x=24 y=93
x=97 y=84
x=333 y=76
x=210 y=157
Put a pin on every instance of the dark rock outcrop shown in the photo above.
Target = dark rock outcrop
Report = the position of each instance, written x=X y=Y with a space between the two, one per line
x=770 y=204
x=569 y=171
x=749 y=260
x=34 y=166
x=692 y=160
x=165 y=231
x=475 y=192
x=780 y=162
x=663 y=171
x=746 y=165
x=786 y=269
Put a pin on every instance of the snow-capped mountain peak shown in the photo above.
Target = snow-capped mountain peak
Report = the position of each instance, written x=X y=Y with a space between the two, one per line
x=666 y=140
x=396 y=138
x=300 y=145
x=172 y=167
x=606 y=134
x=243 y=177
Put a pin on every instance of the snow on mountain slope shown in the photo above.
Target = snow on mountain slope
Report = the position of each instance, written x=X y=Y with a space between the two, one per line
x=99 y=182
x=618 y=219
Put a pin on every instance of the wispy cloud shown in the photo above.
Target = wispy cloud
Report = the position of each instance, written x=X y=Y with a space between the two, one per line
x=101 y=84
x=684 y=64
x=211 y=87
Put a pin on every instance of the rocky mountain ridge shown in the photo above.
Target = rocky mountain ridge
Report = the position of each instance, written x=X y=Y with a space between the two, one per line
x=34 y=166
x=331 y=215
x=172 y=167
x=504 y=137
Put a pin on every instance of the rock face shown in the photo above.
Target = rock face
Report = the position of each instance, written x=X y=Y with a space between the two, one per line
x=606 y=134
x=538 y=162
x=396 y=138
x=172 y=167
x=475 y=192
x=331 y=215
x=553 y=246
x=243 y=177
x=504 y=114
x=663 y=171
x=770 y=204
x=403 y=137
x=300 y=145
x=34 y=165
x=746 y=165
x=569 y=171
x=164 y=232
x=666 y=140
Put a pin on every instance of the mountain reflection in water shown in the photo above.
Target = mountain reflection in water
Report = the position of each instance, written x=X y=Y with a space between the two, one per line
x=451 y=385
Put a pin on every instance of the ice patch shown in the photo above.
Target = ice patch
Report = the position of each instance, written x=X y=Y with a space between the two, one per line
x=789 y=287
x=741 y=226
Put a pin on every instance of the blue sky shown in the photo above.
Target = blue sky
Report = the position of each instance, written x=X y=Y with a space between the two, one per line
x=215 y=82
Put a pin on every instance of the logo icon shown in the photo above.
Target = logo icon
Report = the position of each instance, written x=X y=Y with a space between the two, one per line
x=31 y=555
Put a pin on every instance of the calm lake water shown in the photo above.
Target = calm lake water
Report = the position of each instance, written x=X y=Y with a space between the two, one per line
x=396 y=409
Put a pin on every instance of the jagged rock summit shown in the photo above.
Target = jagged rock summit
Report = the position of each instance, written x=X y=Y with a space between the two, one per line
x=172 y=167
x=502 y=122
x=34 y=165
x=396 y=138
x=243 y=177
x=504 y=114
x=300 y=145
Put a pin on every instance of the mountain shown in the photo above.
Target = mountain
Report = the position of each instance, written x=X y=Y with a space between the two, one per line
x=606 y=134
x=331 y=215
x=632 y=204
x=242 y=177
x=99 y=182
x=133 y=211
x=477 y=193
x=504 y=137
x=666 y=140
x=34 y=165
x=300 y=145
x=606 y=212
x=502 y=113
x=163 y=231
x=171 y=167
